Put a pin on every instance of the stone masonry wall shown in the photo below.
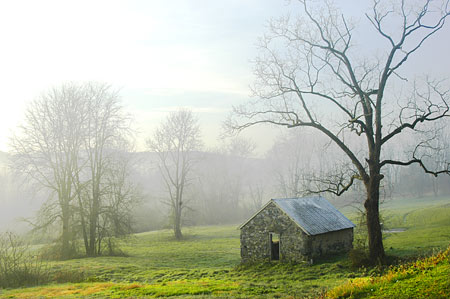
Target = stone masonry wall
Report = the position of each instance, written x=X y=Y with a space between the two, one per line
x=255 y=236
x=295 y=245
x=332 y=242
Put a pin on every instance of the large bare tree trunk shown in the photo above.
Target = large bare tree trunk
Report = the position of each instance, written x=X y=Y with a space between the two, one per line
x=376 y=249
x=83 y=227
x=177 y=225
x=93 y=222
x=178 y=211
x=93 y=228
x=65 y=236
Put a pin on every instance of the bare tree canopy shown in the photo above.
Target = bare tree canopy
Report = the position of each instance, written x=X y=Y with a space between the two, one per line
x=47 y=149
x=69 y=144
x=175 y=141
x=311 y=74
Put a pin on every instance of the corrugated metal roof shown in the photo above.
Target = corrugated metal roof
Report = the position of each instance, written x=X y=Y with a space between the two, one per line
x=315 y=215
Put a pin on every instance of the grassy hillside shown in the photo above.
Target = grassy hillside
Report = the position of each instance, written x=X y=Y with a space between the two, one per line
x=426 y=223
x=206 y=264
x=424 y=278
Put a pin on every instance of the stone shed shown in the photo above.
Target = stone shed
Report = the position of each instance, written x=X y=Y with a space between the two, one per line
x=295 y=229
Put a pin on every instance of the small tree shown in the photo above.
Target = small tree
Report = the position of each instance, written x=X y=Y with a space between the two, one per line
x=175 y=142
x=310 y=75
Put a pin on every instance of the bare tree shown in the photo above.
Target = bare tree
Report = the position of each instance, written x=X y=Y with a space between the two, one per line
x=105 y=132
x=436 y=153
x=46 y=149
x=66 y=145
x=120 y=198
x=294 y=156
x=257 y=194
x=310 y=74
x=175 y=141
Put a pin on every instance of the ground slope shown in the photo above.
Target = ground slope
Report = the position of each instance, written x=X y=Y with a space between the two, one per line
x=206 y=264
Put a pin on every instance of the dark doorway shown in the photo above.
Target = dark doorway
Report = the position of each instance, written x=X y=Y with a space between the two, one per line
x=274 y=246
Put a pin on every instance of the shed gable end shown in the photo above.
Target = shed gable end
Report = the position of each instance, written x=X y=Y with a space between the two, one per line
x=255 y=236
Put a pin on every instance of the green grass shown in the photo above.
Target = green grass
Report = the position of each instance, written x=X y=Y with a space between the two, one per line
x=424 y=278
x=158 y=257
x=206 y=264
x=427 y=227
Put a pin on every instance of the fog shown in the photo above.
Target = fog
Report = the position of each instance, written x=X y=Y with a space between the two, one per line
x=17 y=201
x=230 y=183
x=124 y=124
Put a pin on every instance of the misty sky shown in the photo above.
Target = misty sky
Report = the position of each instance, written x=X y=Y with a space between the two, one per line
x=161 y=54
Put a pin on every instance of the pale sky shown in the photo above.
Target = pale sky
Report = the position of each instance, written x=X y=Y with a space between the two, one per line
x=161 y=54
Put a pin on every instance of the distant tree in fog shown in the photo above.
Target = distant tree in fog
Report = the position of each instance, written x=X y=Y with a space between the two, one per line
x=175 y=141
x=258 y=194
x=437 y=151
x=310 y=74
x=224 y=180
x=294 y=158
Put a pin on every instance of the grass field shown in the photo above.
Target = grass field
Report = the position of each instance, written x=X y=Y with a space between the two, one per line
x=206 y=263
x=424 y=278
x=427 y=224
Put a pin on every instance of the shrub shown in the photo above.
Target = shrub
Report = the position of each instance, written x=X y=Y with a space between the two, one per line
x=53 y=252
x=358 y=257
x=64 y=276
x=111 y=248
x=18 y=266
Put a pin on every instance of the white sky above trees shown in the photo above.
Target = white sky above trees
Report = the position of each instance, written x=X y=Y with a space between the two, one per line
x=161 y=54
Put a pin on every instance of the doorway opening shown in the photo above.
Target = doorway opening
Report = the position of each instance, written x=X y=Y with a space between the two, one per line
x=274 y=246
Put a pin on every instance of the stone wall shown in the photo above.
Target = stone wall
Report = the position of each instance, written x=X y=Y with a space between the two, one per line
x=295 y=245
x=255 y=236
x=332 y=242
